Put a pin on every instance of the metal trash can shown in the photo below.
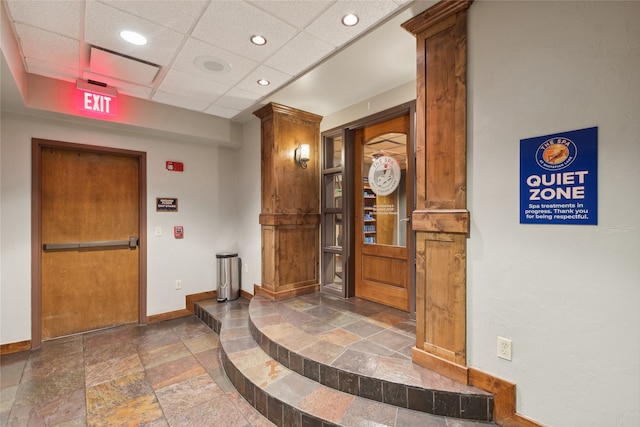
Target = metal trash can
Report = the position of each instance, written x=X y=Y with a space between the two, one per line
x=229 y=270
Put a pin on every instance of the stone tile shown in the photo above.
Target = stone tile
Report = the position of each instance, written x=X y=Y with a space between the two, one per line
x=391 y=340
x=324 y=353
x=161 y=355
x=291 y=388
x=209 y=359
x=398 y=371
x=339 y=337
x=175 y=371
x=316 y=327
x=186 y=394
x=315 y=404
x=366 y=346
x=357 y=362
x=61 y=409
x=265 y=373
x=102 y=353
x=110 y=394
x=36 y=391
x=363 y=328
x=11 y=368
x=112 y=369
x=365 y=412
x=208 y=341
x=142 y=410
x=407 y=417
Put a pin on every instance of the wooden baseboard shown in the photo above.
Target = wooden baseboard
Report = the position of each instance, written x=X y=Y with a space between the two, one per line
x=191 y=299
x=442 y=366
x=504 y=392
x=15 y=347
x=246 y=295
x=276 y=296
x=168 y=316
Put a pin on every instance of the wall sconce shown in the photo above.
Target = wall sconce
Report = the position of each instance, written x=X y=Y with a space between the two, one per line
x=301 y=155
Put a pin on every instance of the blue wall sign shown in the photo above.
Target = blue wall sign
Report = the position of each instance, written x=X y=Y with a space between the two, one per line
x=559 y=178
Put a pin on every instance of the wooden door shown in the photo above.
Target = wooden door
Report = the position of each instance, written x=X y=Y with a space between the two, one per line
x=89 y=218
x=383 y=192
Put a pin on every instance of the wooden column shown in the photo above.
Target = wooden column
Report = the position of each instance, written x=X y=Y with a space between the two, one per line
x=441 y=219
x=290 y=216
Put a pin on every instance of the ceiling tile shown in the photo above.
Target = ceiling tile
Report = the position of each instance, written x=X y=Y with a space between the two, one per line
x=195 y=53
x=300 y=53
x=54 y=71
x=226 y=113
x=48 y=47
x=237 y=99
x=103 y=25
x=230 y=24
x=275 y=77
x=177 y=15
x=61 y=17
x=297 y=13
x=329 y=28
x=123 y=87
x=178 y=82
x=180 y=100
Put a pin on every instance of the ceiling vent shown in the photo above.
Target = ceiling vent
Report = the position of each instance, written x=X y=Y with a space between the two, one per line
x=122 y=67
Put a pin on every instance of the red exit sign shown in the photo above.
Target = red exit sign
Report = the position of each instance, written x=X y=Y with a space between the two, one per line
x=96 y=100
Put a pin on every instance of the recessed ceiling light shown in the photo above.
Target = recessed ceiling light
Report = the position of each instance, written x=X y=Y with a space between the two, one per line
x=350 y=20
x=133 y=37
x=258 y=40
x=264 y=82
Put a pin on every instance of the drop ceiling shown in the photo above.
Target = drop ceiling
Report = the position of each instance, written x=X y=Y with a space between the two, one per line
x=199 y=55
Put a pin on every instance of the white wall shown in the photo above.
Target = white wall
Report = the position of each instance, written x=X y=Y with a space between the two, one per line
x=568 y=296
x=249 y=197
x=207 y=208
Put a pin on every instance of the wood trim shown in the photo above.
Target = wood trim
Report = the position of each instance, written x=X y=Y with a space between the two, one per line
x=444 y=367
x=504 y=392
x=517 y=420
x=276 y=296
x=37 y=145
x=246 y=295
x=289 y=219
x=190 y=300
x=15 y=347
x=272 y=107
x=434 y=14
x=441 y=220
x=155 y=318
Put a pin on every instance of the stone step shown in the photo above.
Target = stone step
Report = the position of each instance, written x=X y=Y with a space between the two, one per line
x=285 y=395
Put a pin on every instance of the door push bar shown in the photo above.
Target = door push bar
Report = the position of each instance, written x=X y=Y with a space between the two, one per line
x=131 y=243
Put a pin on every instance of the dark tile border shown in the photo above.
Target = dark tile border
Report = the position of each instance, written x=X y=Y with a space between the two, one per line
x=437 y=402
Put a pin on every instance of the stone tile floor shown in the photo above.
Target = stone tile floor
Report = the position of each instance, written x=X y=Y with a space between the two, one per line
x=164 y=374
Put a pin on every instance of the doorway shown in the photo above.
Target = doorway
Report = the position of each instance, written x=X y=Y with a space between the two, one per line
x=88 y=247
x=368 y=248
x=383 y=206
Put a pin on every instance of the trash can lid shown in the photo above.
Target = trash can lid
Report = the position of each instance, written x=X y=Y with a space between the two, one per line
x=226 y=255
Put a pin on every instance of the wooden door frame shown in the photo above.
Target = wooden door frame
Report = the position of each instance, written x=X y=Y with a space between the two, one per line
x=348 y=176
x=37 y=145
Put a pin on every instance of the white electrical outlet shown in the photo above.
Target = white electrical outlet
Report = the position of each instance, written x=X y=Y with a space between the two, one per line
x=178 y=284
x=158 y=231
x=246 y=267
x=504 y=348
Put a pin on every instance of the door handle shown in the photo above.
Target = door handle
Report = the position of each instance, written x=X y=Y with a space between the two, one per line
x=407 y=219
x=131 y=243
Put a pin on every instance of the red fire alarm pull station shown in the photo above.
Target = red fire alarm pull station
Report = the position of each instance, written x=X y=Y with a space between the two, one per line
x=175 y=166
x=178 y=232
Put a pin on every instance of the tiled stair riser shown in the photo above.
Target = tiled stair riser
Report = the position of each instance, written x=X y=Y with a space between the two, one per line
x=431 y=401
x=440 y=403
